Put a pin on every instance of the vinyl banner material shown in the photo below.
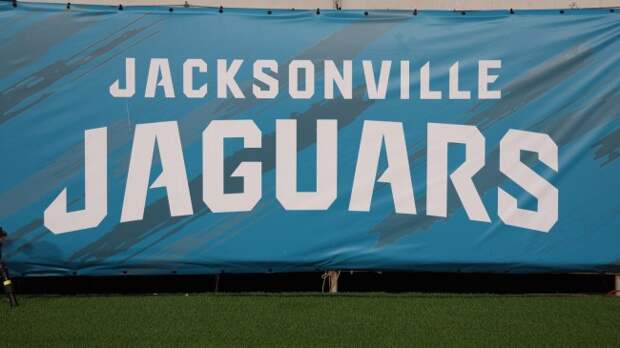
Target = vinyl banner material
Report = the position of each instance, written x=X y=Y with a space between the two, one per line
x=156 y=140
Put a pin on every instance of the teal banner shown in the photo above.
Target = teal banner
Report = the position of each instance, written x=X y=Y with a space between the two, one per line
x=156 y=140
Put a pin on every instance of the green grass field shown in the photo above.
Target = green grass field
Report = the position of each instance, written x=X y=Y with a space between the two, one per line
x=312 y=320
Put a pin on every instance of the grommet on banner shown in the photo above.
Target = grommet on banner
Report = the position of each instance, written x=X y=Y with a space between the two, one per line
x=120 y=7
x=561 y=11
x=170 y=9
x=415 y=12
x=365 y=13
x=14 y=3
x=318 y=11
x=221 y=10
x=68 y=6
x=269 y=12
x=512 y=11
x=462 y=13
x=612 y=10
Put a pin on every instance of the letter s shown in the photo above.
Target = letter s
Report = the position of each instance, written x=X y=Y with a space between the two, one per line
x=510 y=165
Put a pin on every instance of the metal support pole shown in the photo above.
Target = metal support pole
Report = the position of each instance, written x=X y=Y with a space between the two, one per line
x=7 y=284
x=332 y=281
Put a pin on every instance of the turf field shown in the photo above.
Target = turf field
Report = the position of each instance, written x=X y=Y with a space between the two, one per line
x=292 y=320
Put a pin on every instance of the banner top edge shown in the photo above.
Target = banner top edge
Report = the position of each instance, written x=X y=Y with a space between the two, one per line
x=397 y=6
x=184 y=8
